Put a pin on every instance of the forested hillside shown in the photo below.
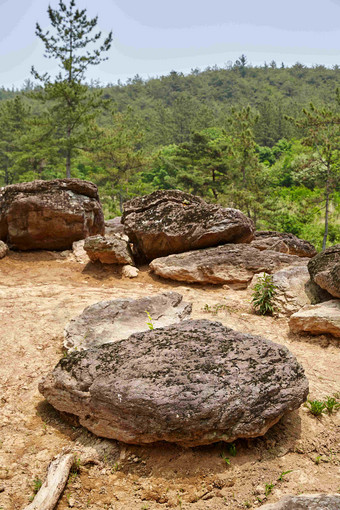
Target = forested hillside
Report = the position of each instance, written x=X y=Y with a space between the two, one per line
x=231 y=135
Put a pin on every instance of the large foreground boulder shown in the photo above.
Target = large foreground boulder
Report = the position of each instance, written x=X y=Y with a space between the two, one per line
x=192 y=383
x=108 y=250
x=167 y=222
x=306 y=502
x=110 y=321
x=233 y=264
x=49 y=215
x=283 y=242
x=324 y=269
x=317 y=319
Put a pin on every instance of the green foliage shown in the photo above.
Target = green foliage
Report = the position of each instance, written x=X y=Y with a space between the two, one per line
x=268 y=489
x=283 y=474
x=264 y=295
x=37 y=483
x=315 y=407
x=150 y=323
x=332 y=404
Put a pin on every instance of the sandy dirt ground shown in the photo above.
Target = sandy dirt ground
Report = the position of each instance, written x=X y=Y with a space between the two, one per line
x=39 y=293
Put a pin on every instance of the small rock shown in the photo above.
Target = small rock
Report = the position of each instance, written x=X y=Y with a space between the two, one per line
x=130 y=271
x=3 y=249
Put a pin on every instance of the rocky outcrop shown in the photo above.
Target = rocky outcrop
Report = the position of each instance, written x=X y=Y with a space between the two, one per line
x=49 y=215
x=294 y=290
x=283 y=242
x=192 y=383
x=324 y=270
x=318 y=319
x=114 y=226
x=108 y=250
x=232 y=264
x=3 y=249
x=167 y=222
x=306 y=502
x=110 y=321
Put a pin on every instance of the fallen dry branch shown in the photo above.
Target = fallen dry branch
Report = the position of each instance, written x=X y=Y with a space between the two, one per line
x=51 y=489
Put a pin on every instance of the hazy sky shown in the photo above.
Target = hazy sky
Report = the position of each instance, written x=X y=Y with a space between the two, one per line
x=153 y=37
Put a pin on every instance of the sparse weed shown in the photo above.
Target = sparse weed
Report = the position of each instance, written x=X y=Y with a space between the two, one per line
x=317 y=460
x=116 y=467
x=268 y=488
x=232 y=449
x=150 y=323
x=315 y=407
x=284 y=473
x=37 y=483
x=331 y=404
x=214 y=309
x=247 y=504
x=264 y=295
x=225 y=458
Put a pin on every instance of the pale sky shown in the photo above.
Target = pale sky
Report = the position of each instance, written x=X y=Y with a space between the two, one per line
x=153 y=37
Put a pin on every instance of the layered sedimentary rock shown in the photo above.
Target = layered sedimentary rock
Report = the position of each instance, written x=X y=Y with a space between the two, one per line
x=283 y=242
x=318 y=319
x=324 y=270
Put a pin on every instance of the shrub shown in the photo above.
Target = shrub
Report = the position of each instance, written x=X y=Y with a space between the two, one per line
x=264 y=295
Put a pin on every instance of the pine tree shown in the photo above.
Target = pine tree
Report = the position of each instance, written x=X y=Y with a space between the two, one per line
x=70 y=104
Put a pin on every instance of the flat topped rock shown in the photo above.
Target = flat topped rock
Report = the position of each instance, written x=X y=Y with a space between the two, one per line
x=192 y=383
x=110 y=321
x=172 y=221
x=306 y=502
x=318 y=319
x=233 y=264
x=324 y=270
x=283 y=242
x=49 y=215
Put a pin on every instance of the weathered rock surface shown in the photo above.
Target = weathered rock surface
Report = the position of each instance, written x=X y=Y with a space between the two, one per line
x=79 y=253
x=233 y=264
x=294 y=289
x=306 y=502
x=108 y=250
x=167 y=222
x=114 y=226
x=49 y=215
x=324 y=269
x=318 y=319
x=130 y=271
x=192 y=383
x=3 y=249
x=110 y=321
x=283 y=242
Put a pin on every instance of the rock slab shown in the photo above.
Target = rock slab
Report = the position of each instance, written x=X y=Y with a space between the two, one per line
x=167 y=222
x=283 y=242
x=232 y=264
x=108 y=250
x=318 y=319
x=192 y=383
x=324 y=270
x=110 y=321
x=306 y=502
x=49 y=215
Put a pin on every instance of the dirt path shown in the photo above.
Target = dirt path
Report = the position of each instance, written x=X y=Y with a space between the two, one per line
x=39 y=294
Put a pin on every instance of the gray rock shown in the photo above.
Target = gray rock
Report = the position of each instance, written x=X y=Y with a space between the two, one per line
x=192 y=383
x=317 y=319
x=232 y=264
x=324 y=270
x=306 y=502
x=283 y=242
x=110 y=321
x=108 y=250
x=49 y=215
x=114 y=226
x=3 y=249
x=172 y=221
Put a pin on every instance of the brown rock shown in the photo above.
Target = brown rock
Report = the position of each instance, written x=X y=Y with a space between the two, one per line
x=192 y=383
x=306 y=502
x=233 y=264
x=110 y=321
x=49 y=215
x=3 y=249
x=318 y=319
x=167 y=222
x=129 y=271
x=283 y=242
x=324 y=270
x=114 y=226
x=108 y=250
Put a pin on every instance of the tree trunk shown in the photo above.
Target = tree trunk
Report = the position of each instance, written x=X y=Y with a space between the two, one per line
x=68 y=156
x=326 y=219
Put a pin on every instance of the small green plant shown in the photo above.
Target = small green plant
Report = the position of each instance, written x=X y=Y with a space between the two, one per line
x=150 y=323
x=247 y=504
x=315 y=407
x=268 y=488
x=317 y=460
x=284 y=473
x=37 y=483
x=232 y=449
x=214 y=309
x=264 y=295
x=225 y=458
x=116 y=467
x=332 y=405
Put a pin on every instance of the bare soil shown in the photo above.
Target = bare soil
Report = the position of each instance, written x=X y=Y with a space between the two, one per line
x=39 y=293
